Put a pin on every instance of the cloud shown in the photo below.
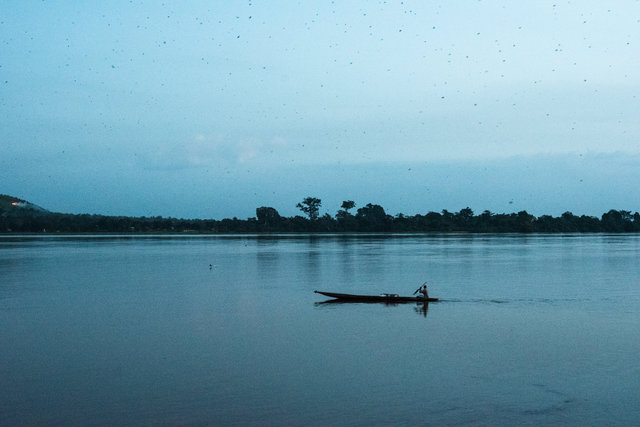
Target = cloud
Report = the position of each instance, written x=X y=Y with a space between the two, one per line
x=203 y=151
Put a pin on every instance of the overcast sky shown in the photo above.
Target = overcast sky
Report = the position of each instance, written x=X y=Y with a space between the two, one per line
x=211 y=109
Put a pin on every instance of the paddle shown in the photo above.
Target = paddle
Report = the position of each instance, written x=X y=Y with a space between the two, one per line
x=418 y=290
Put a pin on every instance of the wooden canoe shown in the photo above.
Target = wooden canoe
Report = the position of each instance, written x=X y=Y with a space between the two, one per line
x=387 y=298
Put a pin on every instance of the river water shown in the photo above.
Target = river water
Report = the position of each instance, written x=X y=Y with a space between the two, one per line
x=224 y=330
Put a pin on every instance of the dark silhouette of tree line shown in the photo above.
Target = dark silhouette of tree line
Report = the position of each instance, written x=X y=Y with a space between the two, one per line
x=370 y=218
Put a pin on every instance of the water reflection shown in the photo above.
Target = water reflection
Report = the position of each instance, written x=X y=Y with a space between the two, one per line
x=420 y=307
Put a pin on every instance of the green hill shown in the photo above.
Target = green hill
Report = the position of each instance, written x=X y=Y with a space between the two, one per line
x=14 y=207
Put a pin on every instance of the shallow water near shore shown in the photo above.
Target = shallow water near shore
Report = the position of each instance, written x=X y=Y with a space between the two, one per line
x=539 y=329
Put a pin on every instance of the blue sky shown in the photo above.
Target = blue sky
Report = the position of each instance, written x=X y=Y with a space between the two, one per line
x=211 y=109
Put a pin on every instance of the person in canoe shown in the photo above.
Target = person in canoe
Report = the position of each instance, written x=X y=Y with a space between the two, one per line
x=423 y=290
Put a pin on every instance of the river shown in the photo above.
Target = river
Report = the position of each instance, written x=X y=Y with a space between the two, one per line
x=226 y=330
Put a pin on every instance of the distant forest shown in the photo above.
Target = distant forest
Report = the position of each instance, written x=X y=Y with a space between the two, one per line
x=19 y=216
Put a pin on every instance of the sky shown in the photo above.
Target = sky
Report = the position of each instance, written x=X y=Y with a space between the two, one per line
x=201 y=109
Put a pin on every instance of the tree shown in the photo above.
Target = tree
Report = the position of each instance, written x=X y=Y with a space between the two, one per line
x=569 y=222
x=464 y=218
x=267 y=217
x=325 y=223
x=348 y=204
x=373 y=218
x=310 y=206
x=346 y=221
x=447 y=223
x=525 y=222
x=432 y=221
x=343 y=214
x=617 y=221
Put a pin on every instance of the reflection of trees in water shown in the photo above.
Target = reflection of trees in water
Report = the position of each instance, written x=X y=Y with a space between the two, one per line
x=313 y=257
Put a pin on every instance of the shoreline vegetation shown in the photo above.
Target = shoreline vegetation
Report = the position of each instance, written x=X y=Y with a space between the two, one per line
x=18 y=216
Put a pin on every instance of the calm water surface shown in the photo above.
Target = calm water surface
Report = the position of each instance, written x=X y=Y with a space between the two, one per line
x=532 y=329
